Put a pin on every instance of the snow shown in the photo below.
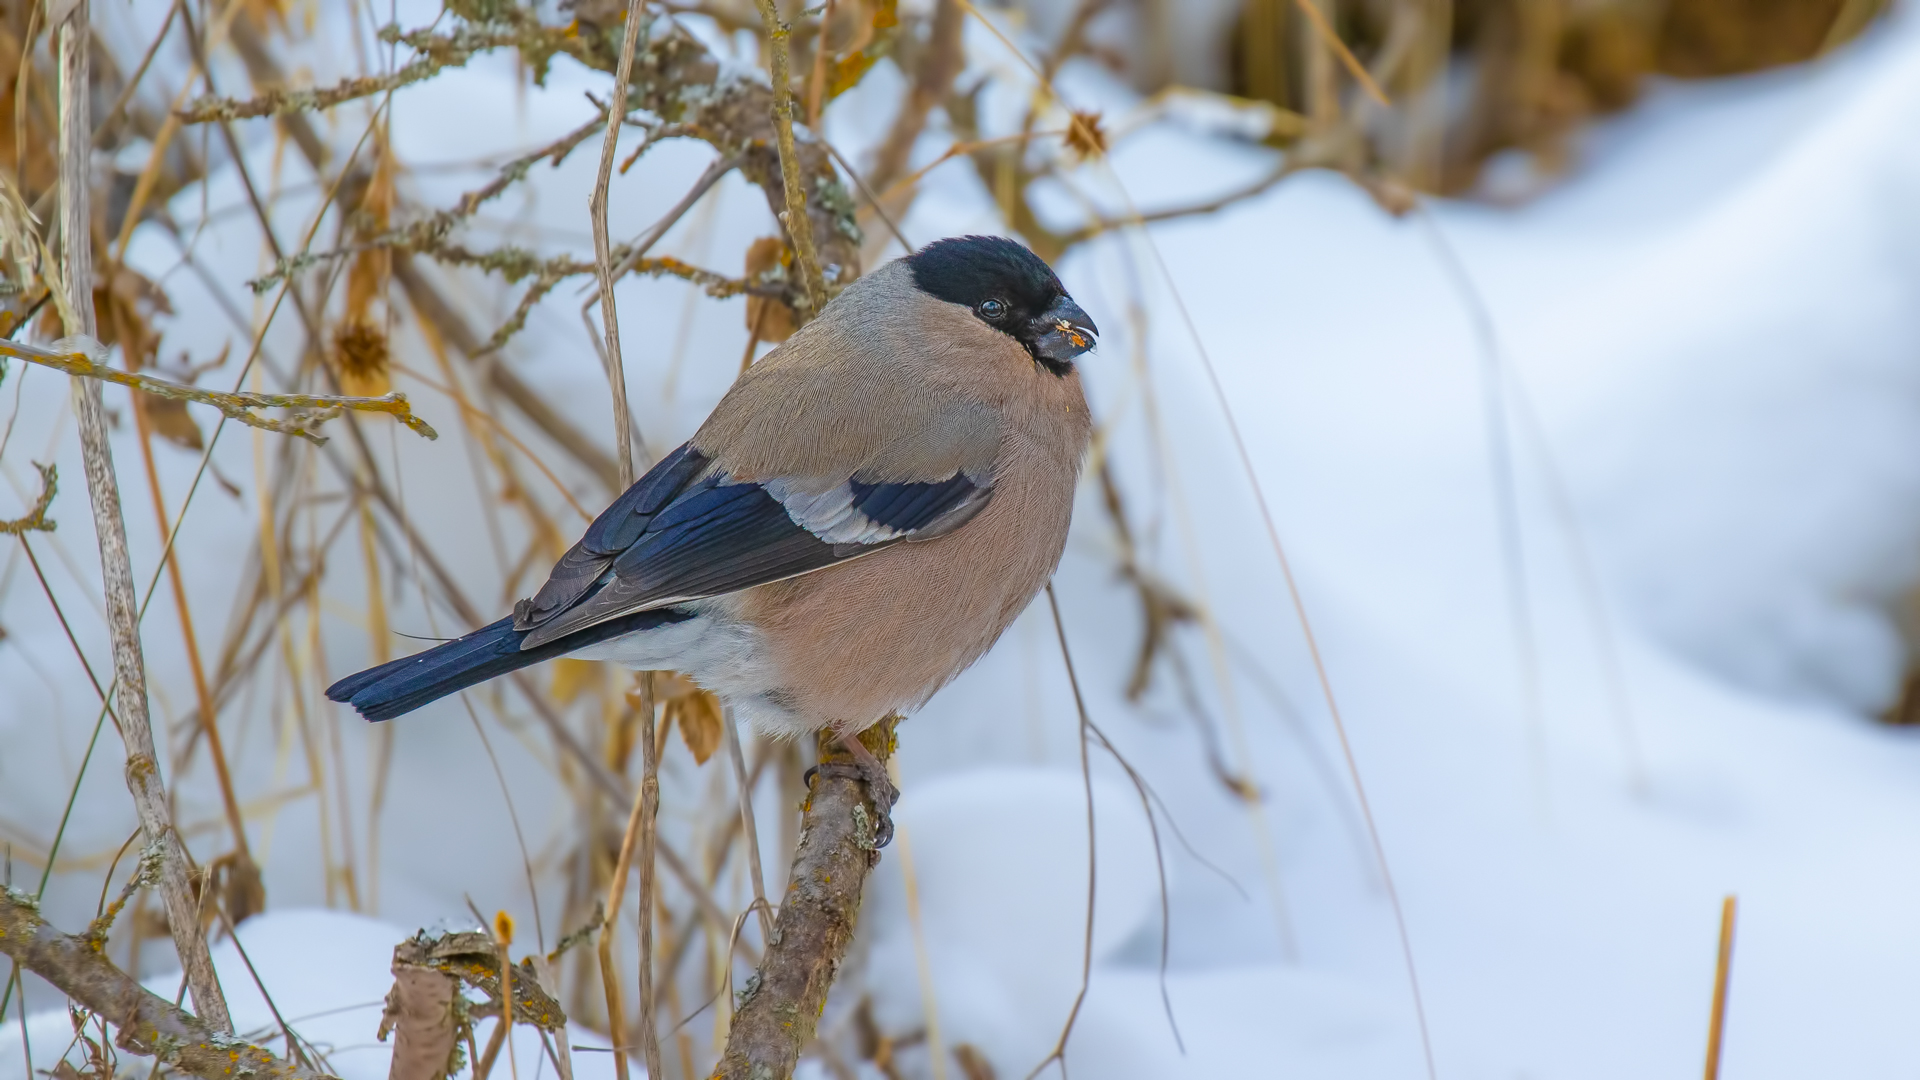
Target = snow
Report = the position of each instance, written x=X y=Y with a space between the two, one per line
x=1703 y=346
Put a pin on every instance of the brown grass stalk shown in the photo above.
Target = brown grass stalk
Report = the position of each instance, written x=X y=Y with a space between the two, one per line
x=143 y=773
x=744 y=789
x=603 y=247
x=639 y=821
x=647 y=896
x=203 y=695
x=1722 y=971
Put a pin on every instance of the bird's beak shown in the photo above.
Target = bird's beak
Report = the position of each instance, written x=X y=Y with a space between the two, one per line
x=1063 y=332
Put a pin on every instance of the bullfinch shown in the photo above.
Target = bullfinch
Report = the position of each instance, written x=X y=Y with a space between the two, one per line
x=861 y=517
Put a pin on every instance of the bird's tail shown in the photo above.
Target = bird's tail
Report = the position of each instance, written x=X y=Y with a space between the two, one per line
x=401 y=686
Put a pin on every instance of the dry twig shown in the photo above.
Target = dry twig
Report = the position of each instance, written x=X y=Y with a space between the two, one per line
x=602 y=250
x=130 y=680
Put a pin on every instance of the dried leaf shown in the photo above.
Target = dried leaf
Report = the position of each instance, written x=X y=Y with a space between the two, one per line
x=769 y=260
x=571 y=676
x=243 y=891
x=169 y=419
x=125 y=304
x=696 y=712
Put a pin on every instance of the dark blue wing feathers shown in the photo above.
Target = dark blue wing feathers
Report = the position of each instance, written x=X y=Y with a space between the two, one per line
x=680 y=531
x=399 y=687
x=911 y=506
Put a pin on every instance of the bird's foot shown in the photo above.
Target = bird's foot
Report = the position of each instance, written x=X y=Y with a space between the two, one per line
x=868 y=770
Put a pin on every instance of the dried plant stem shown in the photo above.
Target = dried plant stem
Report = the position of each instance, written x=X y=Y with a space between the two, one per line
x=799 y=226
x=603 y=247
x=148 y=1024
x=1722 y=969
x=639 y=821
x=649 y=826
x=203 y=695
x=1331 y=39
x=744 y=786
x=1059 y=1051
x=143 y=769
x=780 y=1009
x=316 y=408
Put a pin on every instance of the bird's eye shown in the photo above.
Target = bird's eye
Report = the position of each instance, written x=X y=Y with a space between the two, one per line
x=993 y=309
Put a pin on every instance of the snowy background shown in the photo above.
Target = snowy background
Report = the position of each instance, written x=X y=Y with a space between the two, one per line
x=1583 y=712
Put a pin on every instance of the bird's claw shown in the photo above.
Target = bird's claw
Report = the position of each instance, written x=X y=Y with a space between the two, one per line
x=879 y=788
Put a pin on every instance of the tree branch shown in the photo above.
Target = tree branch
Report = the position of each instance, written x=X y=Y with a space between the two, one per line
x=71 y=355
x=148 y=1024
x=781 y=1005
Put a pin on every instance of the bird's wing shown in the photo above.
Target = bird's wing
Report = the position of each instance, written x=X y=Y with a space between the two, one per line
x=689 y=529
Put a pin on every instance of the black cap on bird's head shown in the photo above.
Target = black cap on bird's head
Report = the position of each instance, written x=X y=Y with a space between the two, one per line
x=1010 y=289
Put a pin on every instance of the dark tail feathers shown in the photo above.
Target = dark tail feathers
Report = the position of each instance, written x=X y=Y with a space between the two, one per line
x=401 y=686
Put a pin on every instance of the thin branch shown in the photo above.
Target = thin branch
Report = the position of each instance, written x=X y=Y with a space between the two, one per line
x=149 y=1024
x=1208 y=206
x=437 y=53
x=645 y=241
x=799 y=225
x=143 y=772
x=1059 y=1052
x=83 y=357
x=755 y=872
x=603 y=249
x=1354 y=67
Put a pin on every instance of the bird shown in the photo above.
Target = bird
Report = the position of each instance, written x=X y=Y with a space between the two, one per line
x=862 y=515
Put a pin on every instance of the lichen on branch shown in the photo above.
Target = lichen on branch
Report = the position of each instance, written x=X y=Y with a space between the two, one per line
x=85 y=357
x=35 y=520
x=148 y=1024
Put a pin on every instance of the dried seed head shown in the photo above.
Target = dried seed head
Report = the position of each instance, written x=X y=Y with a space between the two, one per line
x=1085 y=137
x=360 y=355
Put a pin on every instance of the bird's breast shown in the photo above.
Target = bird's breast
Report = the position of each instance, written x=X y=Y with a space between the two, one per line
x=853 y=642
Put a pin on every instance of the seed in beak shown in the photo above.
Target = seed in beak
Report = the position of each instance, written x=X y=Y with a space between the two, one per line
x=1078 y=339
